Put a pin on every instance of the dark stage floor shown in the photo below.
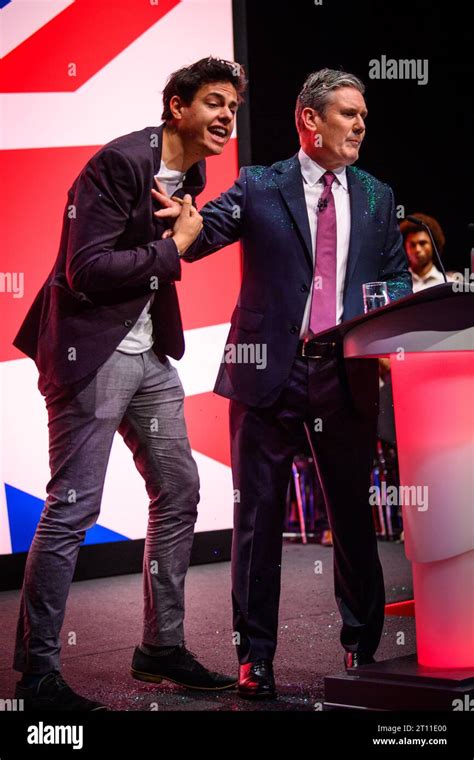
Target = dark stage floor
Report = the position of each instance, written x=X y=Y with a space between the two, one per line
x=104 y=616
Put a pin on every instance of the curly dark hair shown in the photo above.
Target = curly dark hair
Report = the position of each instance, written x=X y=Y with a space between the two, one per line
x=408 y=228
x=186 y=81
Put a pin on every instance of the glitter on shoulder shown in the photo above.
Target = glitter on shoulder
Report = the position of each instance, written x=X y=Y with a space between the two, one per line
x=371 y=185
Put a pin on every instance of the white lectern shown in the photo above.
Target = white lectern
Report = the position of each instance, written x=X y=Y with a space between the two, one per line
x=429 y=338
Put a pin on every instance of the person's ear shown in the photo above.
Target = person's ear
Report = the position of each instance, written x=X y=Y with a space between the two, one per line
x=176 y=107
x=310 y=119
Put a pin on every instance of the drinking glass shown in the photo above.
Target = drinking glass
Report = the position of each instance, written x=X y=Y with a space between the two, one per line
x=375 y=295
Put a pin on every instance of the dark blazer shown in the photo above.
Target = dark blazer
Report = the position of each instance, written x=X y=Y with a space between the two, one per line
x=266 y=210
x=110 y=255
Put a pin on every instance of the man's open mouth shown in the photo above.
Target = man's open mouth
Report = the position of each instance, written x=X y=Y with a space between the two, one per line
x=220 y=133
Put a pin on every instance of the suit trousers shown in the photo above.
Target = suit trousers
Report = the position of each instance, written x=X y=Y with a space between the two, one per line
x=315 y=403
x=141 y=397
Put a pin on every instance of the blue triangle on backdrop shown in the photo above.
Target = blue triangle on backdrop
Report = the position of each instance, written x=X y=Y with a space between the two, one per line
x=24 y=511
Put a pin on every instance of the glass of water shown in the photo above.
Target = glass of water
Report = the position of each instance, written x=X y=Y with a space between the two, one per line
x=375 y=295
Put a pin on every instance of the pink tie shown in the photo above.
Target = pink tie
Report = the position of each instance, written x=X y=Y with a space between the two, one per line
x=323 y=302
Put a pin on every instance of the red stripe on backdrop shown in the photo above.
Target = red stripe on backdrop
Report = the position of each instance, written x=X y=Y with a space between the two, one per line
x=32 y=198
x=207 y=421
x=88 y=34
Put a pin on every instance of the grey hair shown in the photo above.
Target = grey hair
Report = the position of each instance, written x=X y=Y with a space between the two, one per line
x=317 y=88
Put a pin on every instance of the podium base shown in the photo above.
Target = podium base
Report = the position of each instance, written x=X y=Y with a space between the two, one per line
x=401 y=684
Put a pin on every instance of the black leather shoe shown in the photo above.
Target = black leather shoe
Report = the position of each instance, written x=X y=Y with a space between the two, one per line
x=354 y=660
x=53 y=693
x=179 y=666
x=256 y=680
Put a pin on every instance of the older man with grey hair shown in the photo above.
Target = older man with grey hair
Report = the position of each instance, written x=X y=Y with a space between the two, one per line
x=314 y=228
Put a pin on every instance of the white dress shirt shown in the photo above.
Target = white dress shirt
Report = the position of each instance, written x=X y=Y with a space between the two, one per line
x=433 y=277
x=313 y=188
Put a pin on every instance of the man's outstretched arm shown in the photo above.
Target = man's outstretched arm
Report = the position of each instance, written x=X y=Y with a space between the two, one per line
x=223 y=219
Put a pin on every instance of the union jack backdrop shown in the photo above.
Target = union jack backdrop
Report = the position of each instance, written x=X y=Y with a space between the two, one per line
x=75 y=74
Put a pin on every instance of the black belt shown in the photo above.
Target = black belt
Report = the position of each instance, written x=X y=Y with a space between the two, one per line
x=313 y=349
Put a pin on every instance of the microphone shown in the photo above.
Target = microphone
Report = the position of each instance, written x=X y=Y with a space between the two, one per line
x=322 y=204
x=415 y=220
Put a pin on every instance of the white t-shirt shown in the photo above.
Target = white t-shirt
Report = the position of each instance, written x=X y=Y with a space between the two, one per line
x=140 y=337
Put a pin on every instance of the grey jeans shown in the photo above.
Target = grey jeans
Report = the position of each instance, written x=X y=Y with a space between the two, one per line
x=142 y=397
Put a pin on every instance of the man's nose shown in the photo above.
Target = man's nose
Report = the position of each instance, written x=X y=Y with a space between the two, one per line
x=226 y=115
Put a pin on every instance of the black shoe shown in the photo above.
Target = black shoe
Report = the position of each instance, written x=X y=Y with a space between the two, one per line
x=179 y=666
x=256 y=680
x=53 y=693
x=354 y=660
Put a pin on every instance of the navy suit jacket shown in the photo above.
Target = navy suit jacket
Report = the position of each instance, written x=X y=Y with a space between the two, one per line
x=111 y=257
x=266 y=210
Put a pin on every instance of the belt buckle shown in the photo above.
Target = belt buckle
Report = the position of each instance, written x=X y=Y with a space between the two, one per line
x=309 y=356
x=316 y=356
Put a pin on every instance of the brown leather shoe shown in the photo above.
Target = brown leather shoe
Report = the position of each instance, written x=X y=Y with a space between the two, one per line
x=256 y=680
x=179 y=666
